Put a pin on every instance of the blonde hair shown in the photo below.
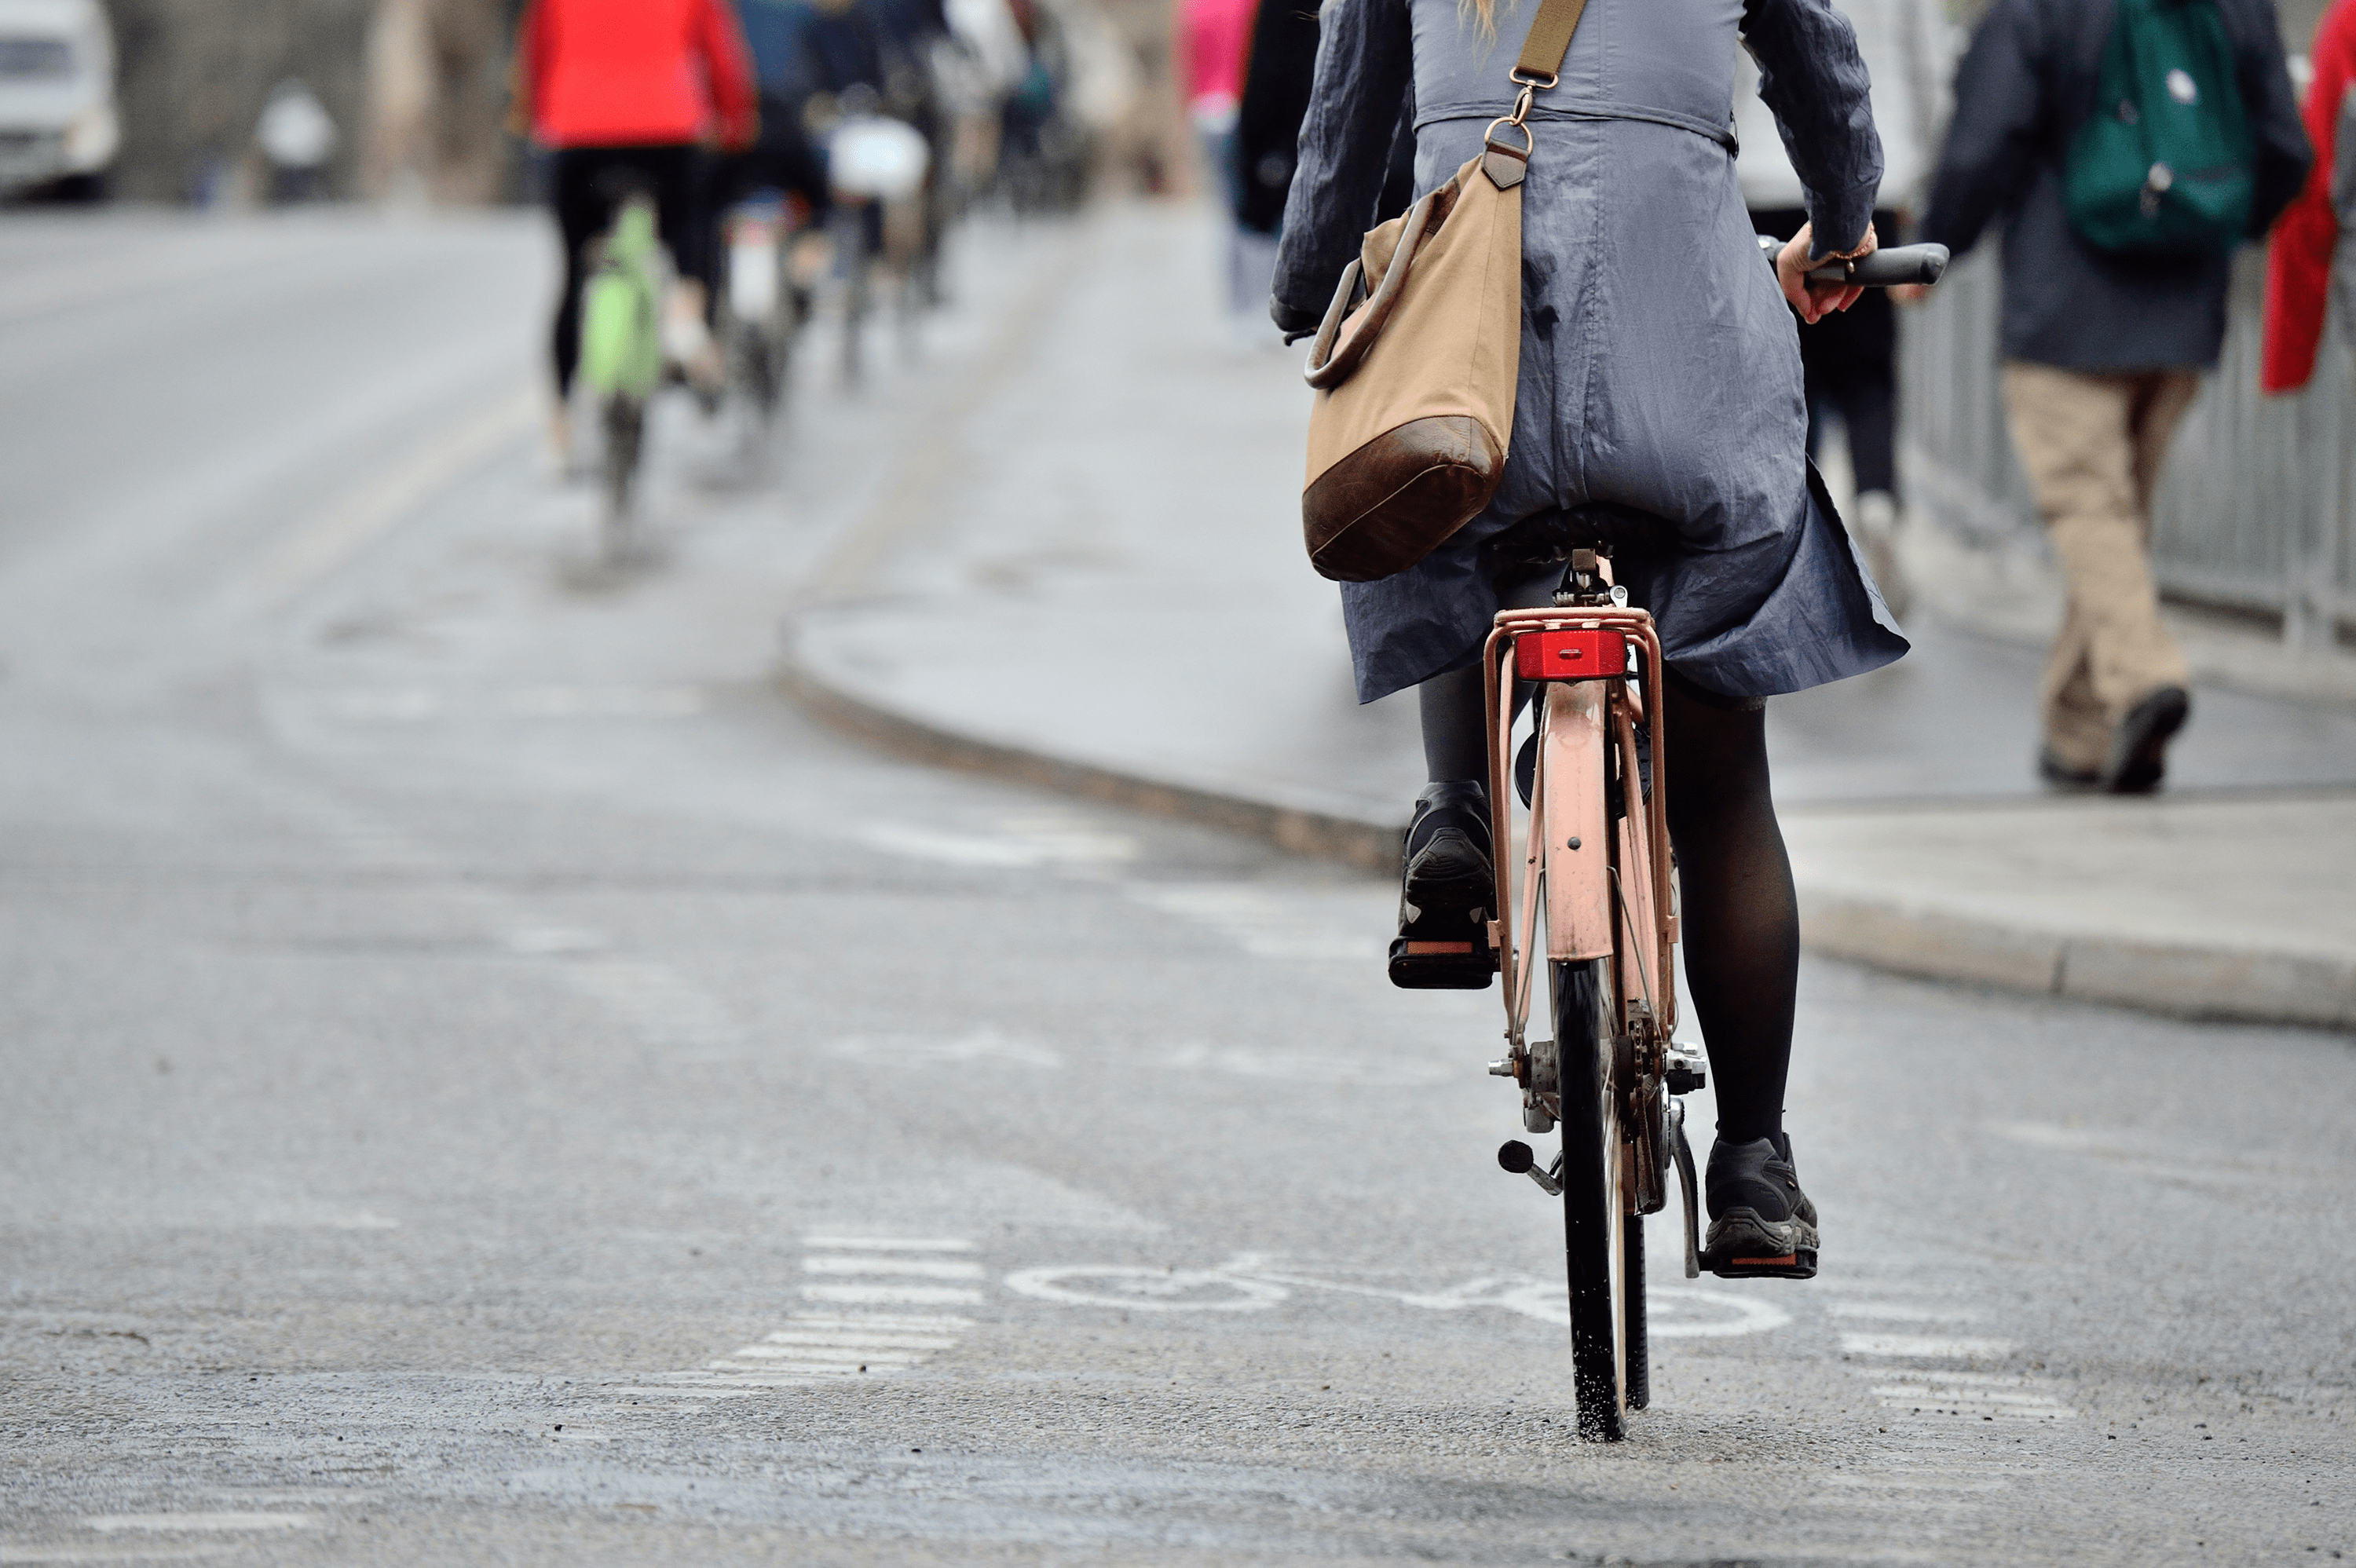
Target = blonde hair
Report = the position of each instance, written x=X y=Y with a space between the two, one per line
x=1483 y=11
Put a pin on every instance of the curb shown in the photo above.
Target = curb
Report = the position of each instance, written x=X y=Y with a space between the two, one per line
x=2209 y=984
x=2214 y=983
x=1350 y=841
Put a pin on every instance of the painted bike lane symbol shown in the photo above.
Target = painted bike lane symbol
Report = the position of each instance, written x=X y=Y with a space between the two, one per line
x=1251 y=1281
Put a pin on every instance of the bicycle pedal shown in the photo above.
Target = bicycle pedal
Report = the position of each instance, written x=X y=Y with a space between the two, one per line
x=1798 y=1263
x=1418 y=965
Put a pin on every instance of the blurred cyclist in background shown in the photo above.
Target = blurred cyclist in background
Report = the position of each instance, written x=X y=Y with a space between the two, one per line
x=784 y=157
x=626 y=93
x=875 y=56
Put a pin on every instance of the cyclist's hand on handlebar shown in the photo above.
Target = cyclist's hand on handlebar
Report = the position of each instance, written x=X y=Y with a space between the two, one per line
x=1816 y=301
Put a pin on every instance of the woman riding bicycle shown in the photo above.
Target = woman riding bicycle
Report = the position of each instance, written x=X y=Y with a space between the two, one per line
x=1658 y=415
x=626 y=94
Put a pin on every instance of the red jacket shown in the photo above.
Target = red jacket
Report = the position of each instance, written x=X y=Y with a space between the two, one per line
x=2298 y=262
x=619 y=73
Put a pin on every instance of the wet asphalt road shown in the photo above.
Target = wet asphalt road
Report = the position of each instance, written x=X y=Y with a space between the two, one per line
x=483 y=1073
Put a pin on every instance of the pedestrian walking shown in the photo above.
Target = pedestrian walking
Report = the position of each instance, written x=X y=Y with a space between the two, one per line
x=2129 y=146
x=1849 y=362
x=625 y=93
x=2307 y=256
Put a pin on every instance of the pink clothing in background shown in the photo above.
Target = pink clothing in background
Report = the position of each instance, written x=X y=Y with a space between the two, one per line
x=1215 y=36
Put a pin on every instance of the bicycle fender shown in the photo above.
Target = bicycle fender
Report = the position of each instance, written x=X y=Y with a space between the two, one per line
x=1570 y=767
x=1641 y=943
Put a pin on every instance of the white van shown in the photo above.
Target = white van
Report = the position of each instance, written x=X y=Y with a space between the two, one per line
x=58 y=118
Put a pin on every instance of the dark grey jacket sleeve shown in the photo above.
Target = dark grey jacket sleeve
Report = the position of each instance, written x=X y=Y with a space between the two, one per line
x=1811 y=75
x=1366 y=57
x=1998 y=130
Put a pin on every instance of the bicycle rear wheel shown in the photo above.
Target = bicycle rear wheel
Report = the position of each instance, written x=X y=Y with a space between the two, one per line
x=1596 y=1233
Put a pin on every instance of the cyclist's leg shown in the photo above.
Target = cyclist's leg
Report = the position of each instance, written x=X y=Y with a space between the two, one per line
x=1742 y=931
x=678 y=175
x=681 y=178
x=1448 y=867
x=582 y=211
x=1739 y=911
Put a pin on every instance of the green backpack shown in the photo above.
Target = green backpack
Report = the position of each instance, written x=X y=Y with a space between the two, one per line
x=2163 y=167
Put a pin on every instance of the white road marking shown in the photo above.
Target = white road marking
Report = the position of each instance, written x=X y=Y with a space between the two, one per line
x=108 y=1523
x=1938 y=1398
x=985 y=1044
x=826 y=1356
x=892 y=1295
x=939 y=848
x=17 y=1552
x=1147 y=1289
x=1899 y=1312
x=1274 y=922
x=918 y=1268
x=1248 y=1282
x=833 y=1347
x=896 y=1339
x=1292 y=1066
x=1022 y=842
x=1071 y=840
x=1937 y=1391
x=1924 y=1347
x=662 y=1006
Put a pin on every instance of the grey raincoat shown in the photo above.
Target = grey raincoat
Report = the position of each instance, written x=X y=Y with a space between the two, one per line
x=1659 y=407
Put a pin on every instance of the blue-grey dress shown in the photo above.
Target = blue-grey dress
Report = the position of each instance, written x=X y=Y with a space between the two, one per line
x=1660 y=392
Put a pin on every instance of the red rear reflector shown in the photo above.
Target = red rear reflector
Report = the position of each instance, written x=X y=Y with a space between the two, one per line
x=1569 y=655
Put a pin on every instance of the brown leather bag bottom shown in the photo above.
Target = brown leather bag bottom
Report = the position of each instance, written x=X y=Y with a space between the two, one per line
x=1375 y=508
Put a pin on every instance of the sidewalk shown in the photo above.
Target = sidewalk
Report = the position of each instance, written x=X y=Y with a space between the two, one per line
x=1091 y=577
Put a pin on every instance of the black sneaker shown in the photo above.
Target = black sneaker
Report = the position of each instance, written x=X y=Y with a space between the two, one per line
x=1448 y=863
x=1448 y=891
x=2139 y=746
x=1761 y=1223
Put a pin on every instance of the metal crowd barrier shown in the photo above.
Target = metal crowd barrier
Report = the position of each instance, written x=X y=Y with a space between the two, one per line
x=2253 y=510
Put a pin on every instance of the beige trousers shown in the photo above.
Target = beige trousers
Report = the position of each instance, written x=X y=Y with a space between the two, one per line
x=2093 y=446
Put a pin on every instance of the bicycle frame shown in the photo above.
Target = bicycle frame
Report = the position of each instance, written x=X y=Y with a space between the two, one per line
x=1591 y=909
x=1601 y=875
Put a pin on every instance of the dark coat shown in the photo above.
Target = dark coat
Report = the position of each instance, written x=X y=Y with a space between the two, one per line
x=2025 y=88
x=1277 y=75
x=1658 y=406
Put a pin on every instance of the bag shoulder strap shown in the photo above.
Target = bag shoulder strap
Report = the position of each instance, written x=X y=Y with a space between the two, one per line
x=1549 y=40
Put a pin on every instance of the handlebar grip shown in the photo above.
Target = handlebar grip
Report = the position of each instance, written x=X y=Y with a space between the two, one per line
x=1887 y=268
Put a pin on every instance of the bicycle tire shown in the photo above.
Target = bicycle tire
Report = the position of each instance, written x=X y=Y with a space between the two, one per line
x=1594 y=1207
x=1635 y=1329
x=625 y=426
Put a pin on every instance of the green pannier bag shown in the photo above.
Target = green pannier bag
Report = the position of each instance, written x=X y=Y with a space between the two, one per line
x=2164 y=166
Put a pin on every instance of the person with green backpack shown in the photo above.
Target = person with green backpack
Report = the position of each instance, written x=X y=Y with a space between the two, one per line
x=2129 y=146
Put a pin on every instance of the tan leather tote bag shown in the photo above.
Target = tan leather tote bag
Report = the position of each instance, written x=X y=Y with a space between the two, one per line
x=1415 y=375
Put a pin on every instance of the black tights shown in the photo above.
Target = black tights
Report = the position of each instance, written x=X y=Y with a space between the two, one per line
x=1740 y=917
